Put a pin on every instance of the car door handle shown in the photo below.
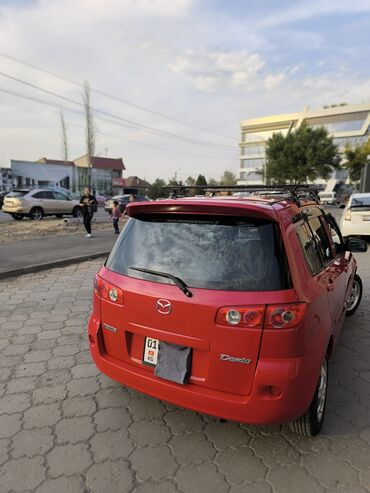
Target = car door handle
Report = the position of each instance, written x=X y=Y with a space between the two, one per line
x=330 y=285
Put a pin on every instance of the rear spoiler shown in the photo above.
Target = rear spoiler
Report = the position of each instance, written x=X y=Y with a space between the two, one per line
x=202 y=207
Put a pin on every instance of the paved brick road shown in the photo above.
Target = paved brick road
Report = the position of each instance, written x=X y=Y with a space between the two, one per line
x=66 y=428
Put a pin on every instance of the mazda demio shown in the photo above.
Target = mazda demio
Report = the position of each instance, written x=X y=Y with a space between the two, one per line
x=228 y=306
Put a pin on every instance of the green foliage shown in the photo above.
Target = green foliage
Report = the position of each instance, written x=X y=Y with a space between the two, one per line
x=201 y=181
x=355 y=160
x=304 y=154
x=156 y=189
x=228 y=179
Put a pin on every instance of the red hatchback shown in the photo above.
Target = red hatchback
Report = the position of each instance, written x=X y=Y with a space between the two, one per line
x=227 y=306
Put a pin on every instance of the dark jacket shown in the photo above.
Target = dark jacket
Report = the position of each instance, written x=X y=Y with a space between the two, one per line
x=88 y=204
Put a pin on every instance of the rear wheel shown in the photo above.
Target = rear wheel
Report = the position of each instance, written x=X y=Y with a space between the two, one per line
x=36 y=214
x=310 y=423
x=18 y=217
x=355 y=296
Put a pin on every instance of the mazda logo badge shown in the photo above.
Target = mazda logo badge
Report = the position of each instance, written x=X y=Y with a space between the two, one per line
x=164 y=307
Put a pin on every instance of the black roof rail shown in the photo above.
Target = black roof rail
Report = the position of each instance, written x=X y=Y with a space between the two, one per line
x=292 y=192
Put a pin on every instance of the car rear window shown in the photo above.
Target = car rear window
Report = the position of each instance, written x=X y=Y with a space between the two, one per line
x=360 y=201
x=205 y=252
x=19 y=193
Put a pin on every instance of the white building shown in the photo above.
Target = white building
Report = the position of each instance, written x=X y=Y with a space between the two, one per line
x=348 y=124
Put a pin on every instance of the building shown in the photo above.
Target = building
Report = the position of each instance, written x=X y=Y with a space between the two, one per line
x=103 y=171
x=72 y=175
x=131 y=184
x=348 y=124
x=5 y=179
x=42 y=173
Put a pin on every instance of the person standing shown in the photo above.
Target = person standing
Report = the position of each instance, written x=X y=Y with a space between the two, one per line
x=88 y=207
x=116 y=214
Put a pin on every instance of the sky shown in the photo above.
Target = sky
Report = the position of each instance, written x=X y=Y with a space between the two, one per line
x=171 y=79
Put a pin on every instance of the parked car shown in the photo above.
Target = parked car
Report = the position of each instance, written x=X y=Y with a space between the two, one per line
x=38 y=203
x=328 y=198
x=227 y=306
x=2 y=195
x=123 y=201
x=355 y=220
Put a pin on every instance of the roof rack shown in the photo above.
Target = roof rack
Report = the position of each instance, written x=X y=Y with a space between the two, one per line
x=292 y=192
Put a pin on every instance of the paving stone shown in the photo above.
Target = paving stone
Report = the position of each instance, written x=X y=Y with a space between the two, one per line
x=164 y=486
x=83 y=386
x=47 y=395
x=179 y=422
x=61 y=485
x=22 y=384
x=284 y=479
x=112 y=477
x=192 y=448
x=111 y=445
x=9 y=425
x=32 y=442
x=68 y=459
x=112 y=419
x=227 y=434
x=14 y=403
x=274 y=450
x=145 y=408
x=252 y=488
x=30 y=370
x=37 y=356
x=149 y=433
x=240 y=465
x=330 y=471
x=84 y=370
x=60 y=362
x=153 y=463
x=41 y=415
x=203 y=478
x=4 y=450
x=79 y=406
x=16 y=474
x=113 y=397
x=73 y=430
x=55 y=377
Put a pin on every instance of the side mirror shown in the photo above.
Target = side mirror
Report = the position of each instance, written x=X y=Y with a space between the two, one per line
x=356 y=245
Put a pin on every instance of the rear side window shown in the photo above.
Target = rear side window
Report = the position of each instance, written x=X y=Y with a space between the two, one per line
x=308 y=247
x=43 y=195
x=213 y=253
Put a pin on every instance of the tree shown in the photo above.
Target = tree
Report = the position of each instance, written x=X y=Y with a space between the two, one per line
x=190 y=181
x=304 y=154
x=228 y=179
x=90 y=129
x=200 y=182
x=156 y=189
x=355 y=160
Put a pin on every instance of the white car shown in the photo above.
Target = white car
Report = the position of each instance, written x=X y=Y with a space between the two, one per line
x=355 y=220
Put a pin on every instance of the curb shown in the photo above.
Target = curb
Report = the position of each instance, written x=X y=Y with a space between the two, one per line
x=51 y=265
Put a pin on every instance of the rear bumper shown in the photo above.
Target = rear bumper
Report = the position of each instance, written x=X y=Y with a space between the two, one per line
x=295 y=377
x=15 y=209
x=348 y=228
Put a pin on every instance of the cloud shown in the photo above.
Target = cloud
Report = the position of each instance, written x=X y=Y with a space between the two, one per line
x=207 y=71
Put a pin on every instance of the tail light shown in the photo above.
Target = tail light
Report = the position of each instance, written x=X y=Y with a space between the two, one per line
x=242 y=316
x=284 y=316
x=108 y=291
x=281 y=316
x=347 y=215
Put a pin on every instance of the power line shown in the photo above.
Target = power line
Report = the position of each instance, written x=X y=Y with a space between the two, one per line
x=161 y=133
x=121 y=100
x=54 y=105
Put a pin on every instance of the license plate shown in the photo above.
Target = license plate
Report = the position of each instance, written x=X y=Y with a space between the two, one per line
x=150 y=356
x=366 y=218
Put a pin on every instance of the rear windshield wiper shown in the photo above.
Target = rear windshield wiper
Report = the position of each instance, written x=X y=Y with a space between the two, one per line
x=180 y=283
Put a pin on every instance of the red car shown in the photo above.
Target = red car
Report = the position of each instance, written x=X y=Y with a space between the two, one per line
x=228 y=306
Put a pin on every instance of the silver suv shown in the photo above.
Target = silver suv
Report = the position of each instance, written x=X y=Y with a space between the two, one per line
x=38 y=203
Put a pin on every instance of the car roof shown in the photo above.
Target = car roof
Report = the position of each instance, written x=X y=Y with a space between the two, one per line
x=260 y=206
x=355 y=195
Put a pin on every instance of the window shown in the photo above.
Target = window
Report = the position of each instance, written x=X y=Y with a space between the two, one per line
x=308 y=247
x=43 y=195
x=59 y=196
x=321 y=239
x=335 y=234
x=340 y=123
x=218 y=253
x=258 y=150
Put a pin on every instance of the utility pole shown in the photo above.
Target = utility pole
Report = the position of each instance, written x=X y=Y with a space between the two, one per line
x=89 y=129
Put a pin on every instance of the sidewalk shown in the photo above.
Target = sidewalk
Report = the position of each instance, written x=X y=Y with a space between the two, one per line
x=52 y=251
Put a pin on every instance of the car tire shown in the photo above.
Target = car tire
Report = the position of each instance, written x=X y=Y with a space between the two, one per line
x=18 y=217
x=355 y=296
x=36 y=214
x=310 y=423
x=76 y=211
